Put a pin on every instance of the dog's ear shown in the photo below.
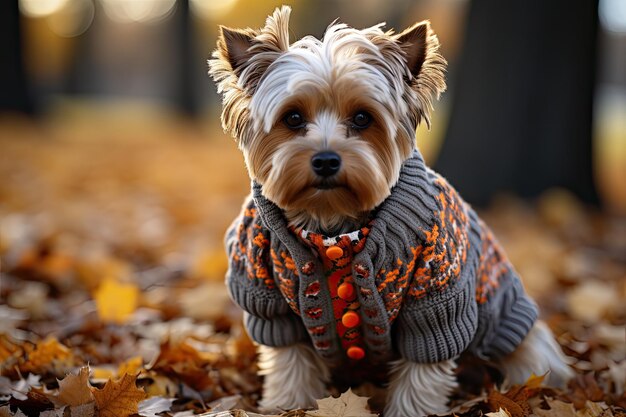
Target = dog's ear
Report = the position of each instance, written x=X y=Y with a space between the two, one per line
x=414 y=42
x=238 y=49
x=234 y=46
x=426 y=65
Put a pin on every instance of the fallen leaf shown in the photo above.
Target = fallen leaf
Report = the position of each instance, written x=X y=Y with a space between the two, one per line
x=75 y=389
x=6 y=412
x=590 y=301
x=131 y=366
x=152 y=406
x=557 y=409
x=53 y=413
x=84 y=410
x=119 y=398
x=584 y=388
x=116 y=301
x=46 y=354
x=347 y=405
x=499 y=413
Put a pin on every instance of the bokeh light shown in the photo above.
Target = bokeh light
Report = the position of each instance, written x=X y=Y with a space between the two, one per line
x=612 y=15
x=73 y=19
x=145 y=11
x=209 y=9
x=41 y=8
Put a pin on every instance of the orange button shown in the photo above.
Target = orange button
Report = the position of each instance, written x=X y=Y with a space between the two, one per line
x=355 y=352
x=350 y=319
x=334 y=252
x=346 y=291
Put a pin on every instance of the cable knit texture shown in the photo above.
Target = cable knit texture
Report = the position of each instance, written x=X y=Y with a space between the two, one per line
x=429 y=277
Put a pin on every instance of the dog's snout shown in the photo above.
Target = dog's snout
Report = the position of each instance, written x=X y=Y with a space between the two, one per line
x=326 y=164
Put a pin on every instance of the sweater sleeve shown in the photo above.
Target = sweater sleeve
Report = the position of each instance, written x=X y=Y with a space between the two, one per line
x=249 y=279
x=438 y=327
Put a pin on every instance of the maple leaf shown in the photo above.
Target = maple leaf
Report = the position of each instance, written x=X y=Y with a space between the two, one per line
x=116 y=301
x=152 y=406
x=75 y=389
x=119 y=398
x=347 y=405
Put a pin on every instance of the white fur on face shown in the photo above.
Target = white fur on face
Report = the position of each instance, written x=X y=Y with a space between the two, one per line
x=345 y=61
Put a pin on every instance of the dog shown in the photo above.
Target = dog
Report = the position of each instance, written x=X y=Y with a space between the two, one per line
x=351 y=257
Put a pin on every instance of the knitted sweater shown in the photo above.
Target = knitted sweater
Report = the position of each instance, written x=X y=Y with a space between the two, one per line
x=429 y=279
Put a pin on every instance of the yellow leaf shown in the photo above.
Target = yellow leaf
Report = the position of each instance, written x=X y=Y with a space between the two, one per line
x=132 y=366
x=75 y=389
x=48 y=353
x=534 y=381
x=115 y=301
x=119 y=398
x=100 y=373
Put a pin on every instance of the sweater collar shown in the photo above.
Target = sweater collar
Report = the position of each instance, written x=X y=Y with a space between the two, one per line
x=400 y=206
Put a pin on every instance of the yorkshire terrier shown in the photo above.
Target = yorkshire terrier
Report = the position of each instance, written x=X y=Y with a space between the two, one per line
x=351 y=256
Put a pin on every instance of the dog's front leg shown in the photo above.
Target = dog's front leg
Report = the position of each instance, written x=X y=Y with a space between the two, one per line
x=419 y=389
x=294 y=377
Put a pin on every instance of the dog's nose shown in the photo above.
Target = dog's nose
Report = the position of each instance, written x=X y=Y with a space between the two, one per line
x=326 y=164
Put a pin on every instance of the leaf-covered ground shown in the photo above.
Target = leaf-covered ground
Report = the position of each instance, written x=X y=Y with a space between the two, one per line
x=111 y=294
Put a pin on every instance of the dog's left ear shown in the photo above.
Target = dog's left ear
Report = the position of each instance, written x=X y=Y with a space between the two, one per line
x=414 y=43
x=426 y=65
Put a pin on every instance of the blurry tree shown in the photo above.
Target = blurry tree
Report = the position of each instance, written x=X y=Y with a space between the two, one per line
x=14 y=94
x=521 y=117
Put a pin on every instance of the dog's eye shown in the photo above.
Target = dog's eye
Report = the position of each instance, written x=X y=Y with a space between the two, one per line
x=361 y=120
x=294 y=120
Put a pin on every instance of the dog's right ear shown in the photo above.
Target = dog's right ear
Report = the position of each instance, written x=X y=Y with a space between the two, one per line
x=243 y=55
x=234 y=46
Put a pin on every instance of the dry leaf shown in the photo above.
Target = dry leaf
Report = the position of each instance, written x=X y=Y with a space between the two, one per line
x=48 y=353
x=557 y=409
x=75 y=389
x=131 y=366
x=84 y=410
x=53 y=413
x=6 y=412
x=152 y=406
x=116 y=301
x=499 y=413
x=590 y=301
x=347 y=405
x=119 y=398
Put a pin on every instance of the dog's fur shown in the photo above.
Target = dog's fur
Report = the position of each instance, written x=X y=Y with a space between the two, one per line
x=394 y=78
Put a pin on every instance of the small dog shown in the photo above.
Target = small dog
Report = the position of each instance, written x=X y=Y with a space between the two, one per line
x=351 y=256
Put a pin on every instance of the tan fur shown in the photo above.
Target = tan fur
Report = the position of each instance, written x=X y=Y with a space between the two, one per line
x=394 y=77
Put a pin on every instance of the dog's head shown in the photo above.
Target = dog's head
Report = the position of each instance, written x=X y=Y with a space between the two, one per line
x=325 y=125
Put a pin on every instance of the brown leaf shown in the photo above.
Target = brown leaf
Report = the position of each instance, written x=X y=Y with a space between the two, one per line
x=75 y=389
x=515 y=400
x=584 y=388
x=516 y=407
x=119 y=398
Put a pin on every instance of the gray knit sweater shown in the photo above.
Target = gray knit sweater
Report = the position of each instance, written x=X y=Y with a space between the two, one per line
x=429 y=279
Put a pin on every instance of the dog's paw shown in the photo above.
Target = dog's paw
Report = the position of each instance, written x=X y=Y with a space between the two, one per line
x=418 y=389
x=294 y=377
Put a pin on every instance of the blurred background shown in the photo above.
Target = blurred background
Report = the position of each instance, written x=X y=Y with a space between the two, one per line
x=117 y=182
